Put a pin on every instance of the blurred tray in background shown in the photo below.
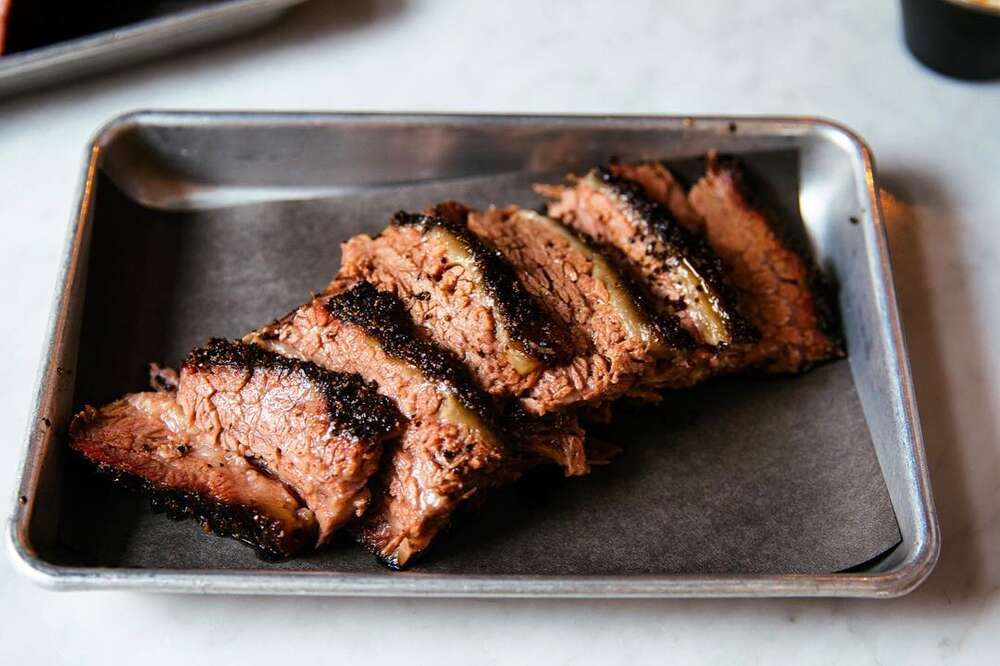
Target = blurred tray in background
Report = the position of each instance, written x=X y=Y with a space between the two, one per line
x=41 y=50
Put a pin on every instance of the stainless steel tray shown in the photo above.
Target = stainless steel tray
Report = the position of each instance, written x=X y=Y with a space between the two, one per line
x=159 y=165
x=139 y=41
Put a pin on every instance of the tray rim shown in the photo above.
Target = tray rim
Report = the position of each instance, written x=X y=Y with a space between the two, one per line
x=891 y=583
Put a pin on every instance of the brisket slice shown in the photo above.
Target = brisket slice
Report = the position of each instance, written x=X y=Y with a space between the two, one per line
x=677 y=267
x=142 y=441
x=616 y=339
x=450 y=448
x=318 y=432
x=779 y=290
x=463 y=295
x=251 y=423
x=661 y=185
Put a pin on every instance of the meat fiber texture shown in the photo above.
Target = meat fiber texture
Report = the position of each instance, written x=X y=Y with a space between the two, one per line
x=462 y=295
x=615 y=339
x=780 y=291
x=450 y=448
x=242 y=428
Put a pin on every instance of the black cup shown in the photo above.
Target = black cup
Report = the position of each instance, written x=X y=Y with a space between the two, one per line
x=956 y=38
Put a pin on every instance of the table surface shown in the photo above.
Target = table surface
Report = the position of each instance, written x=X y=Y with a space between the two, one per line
x=937 y=143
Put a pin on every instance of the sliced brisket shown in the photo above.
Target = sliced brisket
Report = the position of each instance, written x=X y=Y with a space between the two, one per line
x=256 y=427
x=467 y=343
x=676 y=265
x=463 y=295
x=616 y=339
x=143 y=442
x=777 y=287
x=319 y=432
x=450 y=448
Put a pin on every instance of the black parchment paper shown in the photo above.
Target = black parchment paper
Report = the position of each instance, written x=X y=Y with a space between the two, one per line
x=750 y=475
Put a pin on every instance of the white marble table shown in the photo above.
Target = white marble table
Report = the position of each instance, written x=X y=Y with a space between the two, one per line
x=938 y=147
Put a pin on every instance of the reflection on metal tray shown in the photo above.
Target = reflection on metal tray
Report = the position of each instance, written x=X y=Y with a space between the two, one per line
x=158 y=28
x=221 y=221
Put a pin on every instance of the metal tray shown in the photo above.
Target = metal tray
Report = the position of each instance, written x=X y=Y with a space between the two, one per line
x=148 y=170
x=158 y=35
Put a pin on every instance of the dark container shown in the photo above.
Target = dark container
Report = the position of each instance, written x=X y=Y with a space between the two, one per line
x=955 y=37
